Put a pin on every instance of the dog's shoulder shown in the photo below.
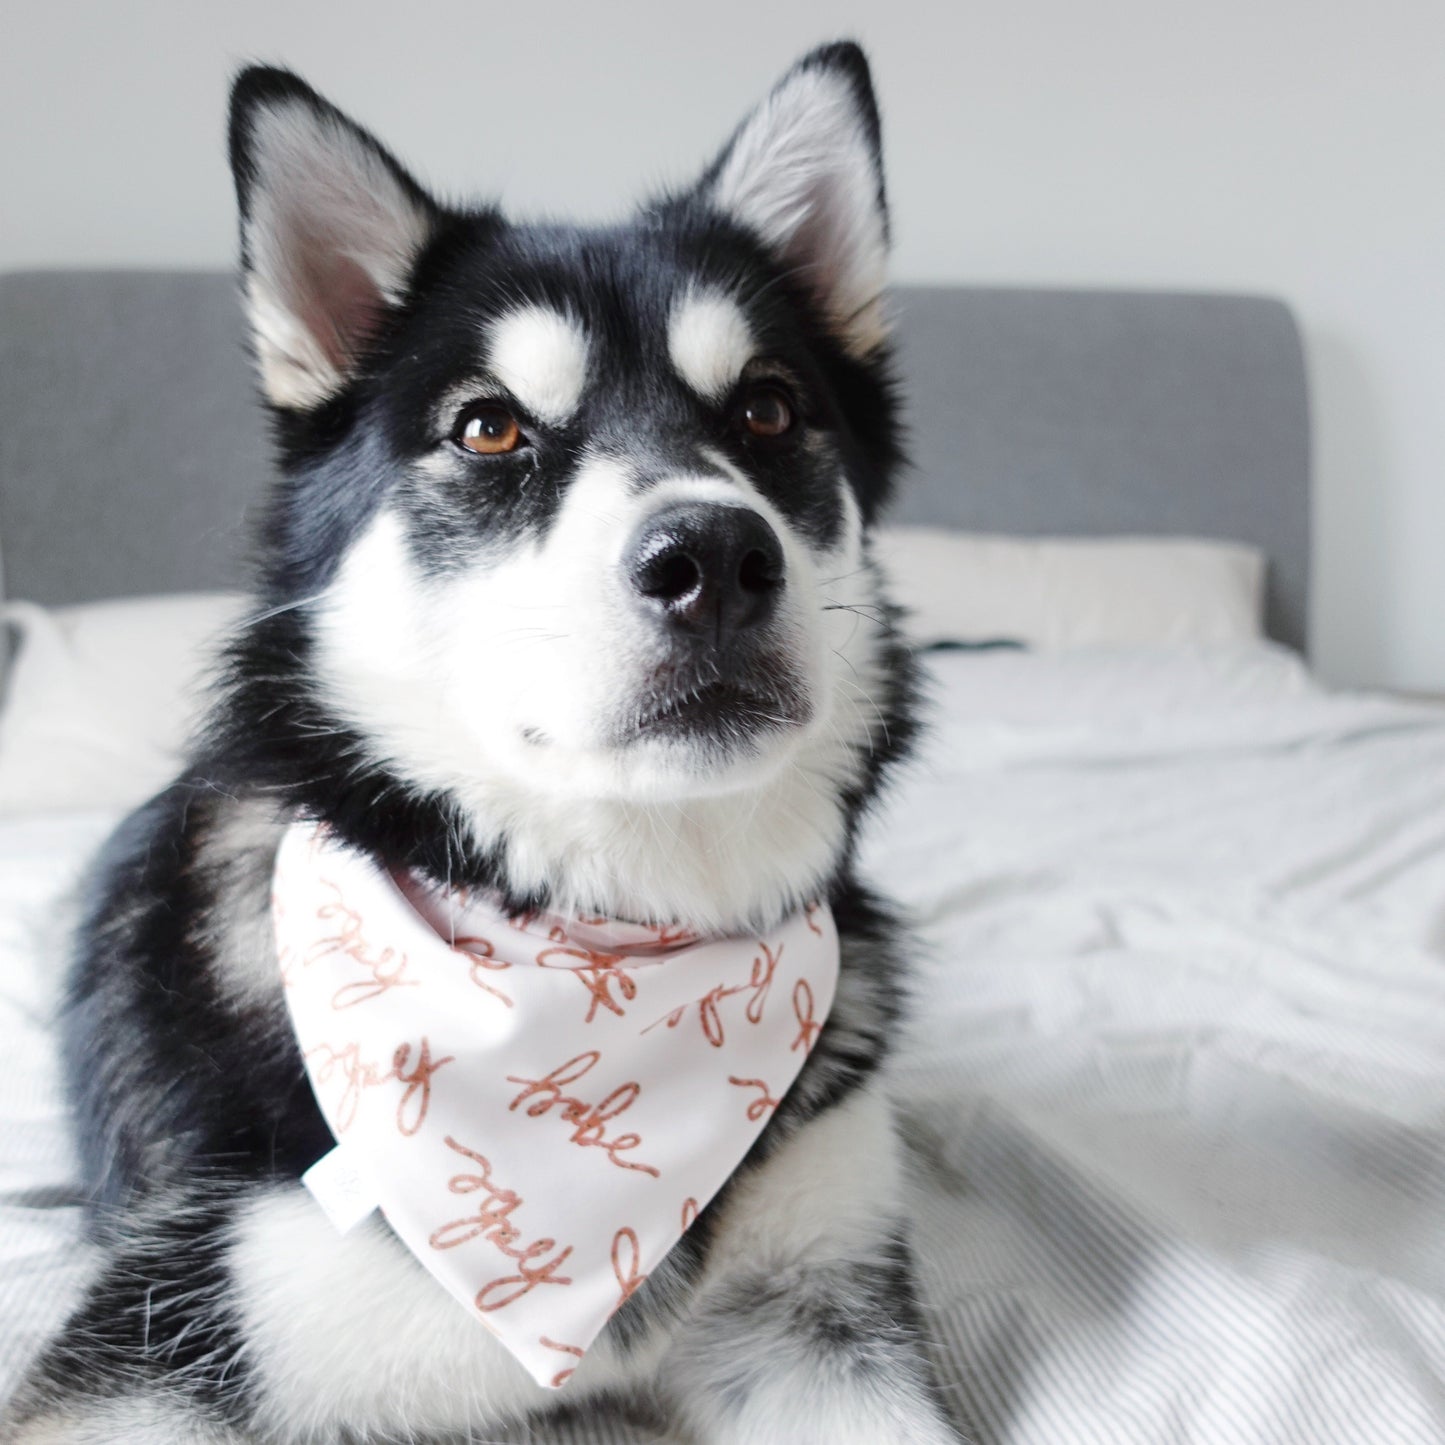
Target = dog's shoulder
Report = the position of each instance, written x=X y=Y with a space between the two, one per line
x=177 y=1052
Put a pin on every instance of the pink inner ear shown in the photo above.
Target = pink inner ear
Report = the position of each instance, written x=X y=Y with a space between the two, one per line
x=813 y=246
x=339 y=303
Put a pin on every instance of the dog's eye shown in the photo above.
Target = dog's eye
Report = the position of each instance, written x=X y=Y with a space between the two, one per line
x=766 y=411
x=489 y=428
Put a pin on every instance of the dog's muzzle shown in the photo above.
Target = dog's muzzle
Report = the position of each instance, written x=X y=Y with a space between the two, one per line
x=710 y=578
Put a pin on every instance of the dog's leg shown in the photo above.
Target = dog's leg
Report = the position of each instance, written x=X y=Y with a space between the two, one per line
x=157 y=1418
x=823 y=1355
x=150 y=1353
x=807 y=1331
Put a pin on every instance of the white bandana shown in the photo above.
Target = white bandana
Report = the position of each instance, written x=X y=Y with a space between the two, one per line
x=539 y=1105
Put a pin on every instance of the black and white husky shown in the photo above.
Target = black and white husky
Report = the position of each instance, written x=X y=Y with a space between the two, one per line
x=564 y=592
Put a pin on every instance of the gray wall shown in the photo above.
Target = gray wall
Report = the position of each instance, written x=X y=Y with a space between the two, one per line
x=1247 y=145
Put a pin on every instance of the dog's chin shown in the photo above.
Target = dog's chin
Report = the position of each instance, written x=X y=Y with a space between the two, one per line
x=674 y=760
x=725 y=717
x=714 y=738
x=662 y=748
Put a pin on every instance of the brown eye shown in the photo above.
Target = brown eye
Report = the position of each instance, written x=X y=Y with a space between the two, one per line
x=767 y=412
x=487 y=428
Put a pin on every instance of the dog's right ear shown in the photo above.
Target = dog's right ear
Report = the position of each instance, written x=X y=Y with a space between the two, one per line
x=331 y=225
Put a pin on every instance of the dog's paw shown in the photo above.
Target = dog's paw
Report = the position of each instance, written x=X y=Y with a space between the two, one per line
x=810 y=1419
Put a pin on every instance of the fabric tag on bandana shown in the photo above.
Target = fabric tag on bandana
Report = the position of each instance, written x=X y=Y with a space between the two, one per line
x=542 y=1105
x=338 y=1184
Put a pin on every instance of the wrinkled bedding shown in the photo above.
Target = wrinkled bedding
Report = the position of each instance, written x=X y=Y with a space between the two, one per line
x=1175 y=1076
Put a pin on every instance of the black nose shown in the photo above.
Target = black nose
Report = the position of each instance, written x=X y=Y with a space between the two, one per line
x=710 y=570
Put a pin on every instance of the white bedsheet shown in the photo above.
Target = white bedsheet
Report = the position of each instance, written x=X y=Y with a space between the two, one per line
x=41 y=1261
x=1176 y=1076
x=1179 y=1072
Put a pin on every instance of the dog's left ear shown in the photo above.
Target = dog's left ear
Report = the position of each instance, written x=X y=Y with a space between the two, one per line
x=804 y=173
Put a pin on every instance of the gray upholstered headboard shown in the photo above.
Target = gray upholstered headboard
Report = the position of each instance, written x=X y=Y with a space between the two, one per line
x=131 y=450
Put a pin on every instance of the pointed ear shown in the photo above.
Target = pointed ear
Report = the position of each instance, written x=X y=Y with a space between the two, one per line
x=330 y=227
x=804 y=173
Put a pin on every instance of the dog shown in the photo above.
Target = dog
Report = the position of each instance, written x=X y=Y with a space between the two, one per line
x=564 y=596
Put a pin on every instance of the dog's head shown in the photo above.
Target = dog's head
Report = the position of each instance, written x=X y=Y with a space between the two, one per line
x=572 y=534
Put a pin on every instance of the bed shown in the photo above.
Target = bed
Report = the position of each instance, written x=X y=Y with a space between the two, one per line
x=1174 y=1082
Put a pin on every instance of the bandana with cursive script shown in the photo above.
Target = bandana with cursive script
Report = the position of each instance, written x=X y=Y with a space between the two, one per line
x=540 y=1105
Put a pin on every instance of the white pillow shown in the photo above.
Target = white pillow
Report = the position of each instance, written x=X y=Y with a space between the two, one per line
x=102 y=697
x=1064 y=592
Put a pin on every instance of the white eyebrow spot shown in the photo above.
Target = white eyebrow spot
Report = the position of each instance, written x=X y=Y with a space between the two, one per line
x=540 y=356
x=709 y=342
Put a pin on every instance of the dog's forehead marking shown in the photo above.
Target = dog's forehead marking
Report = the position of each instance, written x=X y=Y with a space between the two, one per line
x=540 y=356
x=709 y=341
